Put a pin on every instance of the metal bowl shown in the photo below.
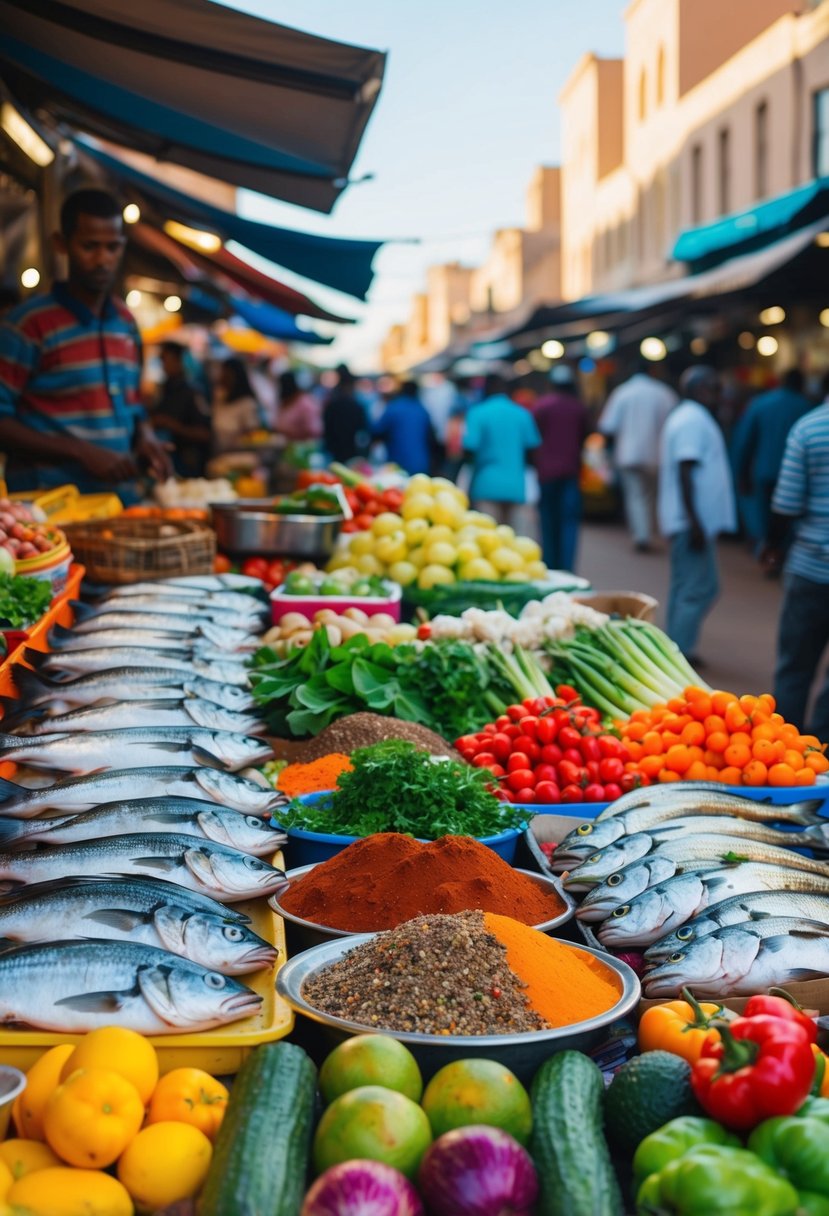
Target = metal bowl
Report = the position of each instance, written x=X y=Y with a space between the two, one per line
x=304 y=934
x=251 y=526
x=521 y=1053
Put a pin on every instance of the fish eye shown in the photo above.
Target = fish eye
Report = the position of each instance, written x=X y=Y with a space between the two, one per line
x=252 y=821
x=614 y=880
x=253 y=863
x=595 y=857
x=684 y=933
x=233 y=933
x=585 y=829
x=676 y=958
x=214 y=980
x=622 y=911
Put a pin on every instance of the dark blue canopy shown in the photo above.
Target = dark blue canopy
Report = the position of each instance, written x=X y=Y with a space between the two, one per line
x=273 y=322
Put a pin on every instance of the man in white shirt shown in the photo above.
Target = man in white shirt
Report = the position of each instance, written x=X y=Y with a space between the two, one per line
x=633 y=418
x=696 y=504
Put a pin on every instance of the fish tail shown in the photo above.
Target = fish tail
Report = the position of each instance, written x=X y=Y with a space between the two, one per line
x=807 y=813
x=35 y=657
x=8 y=789
x=82 y=611
x=12 y=830
x=59 y=637
x=28 y=683
x=14 y=713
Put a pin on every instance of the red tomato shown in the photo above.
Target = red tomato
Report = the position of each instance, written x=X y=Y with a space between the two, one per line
x=468 y=753
x=221 y=564
x=483 y=760
x=497 y=770
x=363 y=521
x=546 y=791
x=517 y=712
x=573 y=755
x=592 y=770
x=500 y=745
x=520 y=778
x=551 y=753
x=276 y=572
x=365 y=491
x=392 y=500
x=590 y=749
x=255 y=567
x=489 y=729
x=518 y=760
x=568 y=736
x=546 y=772
x=512 y=731
x=502 y=721
x=349 y=525
x=466 y=741
x=529 y=726
x=572 y=793
x=546 y=731
x=569 y=773
x=611 y=769
x=566 y=692
x=594 y=792
x=536 y=705
x=610 y=746
x=525 y=795
x=612 y=791
x=524 y=742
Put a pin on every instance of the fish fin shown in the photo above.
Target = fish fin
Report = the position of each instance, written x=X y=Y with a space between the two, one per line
x=59 y=635
x=27 y=681
x=164 y=865
x=817 y=836
x=83 y=612
x=35 y=657
x=116 y=918
x=207 y=758
x=754 y=915
x=94 y=1002
x=806 y=813
x=20 y=829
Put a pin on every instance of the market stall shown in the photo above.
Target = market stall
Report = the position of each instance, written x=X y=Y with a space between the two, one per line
x=380 y=864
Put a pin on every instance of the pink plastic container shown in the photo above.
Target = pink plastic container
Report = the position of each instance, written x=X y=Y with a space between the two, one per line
x=309 y=604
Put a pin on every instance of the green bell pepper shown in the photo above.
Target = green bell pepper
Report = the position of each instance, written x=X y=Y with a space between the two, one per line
x=674 y=1140
x=798 y=1149
x=814 y=1108
x=717 y=1180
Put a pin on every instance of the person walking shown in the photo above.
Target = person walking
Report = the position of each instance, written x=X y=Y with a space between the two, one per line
x=181 y=414
x=70 y=369
x=344 y=421
x=696 y=504
x=407 y=431
x=632 y=420
x=298 y=416
x=498 y=440
x=801 y=496
x=562 y=421
x=760 y=440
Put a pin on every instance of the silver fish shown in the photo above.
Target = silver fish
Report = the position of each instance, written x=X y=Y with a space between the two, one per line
x=623 y=886
x=241 y=600
x=74 y=987
x=225 y=670
x=596 y=834
x=177 y=611
x=242 y=608
x=185 y=712
x=213 y=869
x=144 y=910
x=205 y=638
x=110 y=627
x=658 y=795
x=121 y=684
x=756 y=905
x=689 y=849
x=139 y=747
x=739 y=960
x=215 y=582
x=118 y=785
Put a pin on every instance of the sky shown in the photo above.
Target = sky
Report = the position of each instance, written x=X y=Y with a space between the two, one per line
x=468 y=108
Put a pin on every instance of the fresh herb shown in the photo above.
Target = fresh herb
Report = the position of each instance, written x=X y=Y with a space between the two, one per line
x=396 y=788
x=23 y=600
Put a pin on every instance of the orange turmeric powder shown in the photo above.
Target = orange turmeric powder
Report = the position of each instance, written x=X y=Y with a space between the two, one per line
x=563 y=985
x=312 y=778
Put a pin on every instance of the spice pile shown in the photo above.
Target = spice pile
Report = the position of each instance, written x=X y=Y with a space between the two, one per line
x=361 y=730
x=467 y=974
x=314 y=777
x=400 y=878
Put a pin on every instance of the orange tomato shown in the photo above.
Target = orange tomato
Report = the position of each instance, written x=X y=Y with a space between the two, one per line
x=678 y=759
x=816 y=761
x=717 y=742
x=764 y=730
x=651 y=765
x=636 y=731
x=793 y=758
x=667 y=774
x=737 y=755
x=714 y=724
x=189 y=1095
x=755 y=773
x=731 y=775
x=693 y=734
x=735 y=717
x=782 y=774
x=720 y=702
x=652 y=743
x=697 y=771
x=221 y=564
x=764 y=751
x=714 y=759
x=700 y=707
x=748 y=704
x=768 y=701
x=712 y=774
x=805 y=776
x=91 y=1118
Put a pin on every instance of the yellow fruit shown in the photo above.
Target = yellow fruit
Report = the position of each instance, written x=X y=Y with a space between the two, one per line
x=421 y=483
x=91 y=1118
x=517 y=576
x=467 y=551
x=488 y=542
x=361 y=543
x=439 y=553
x=403 y=572
x=367 y=563
x=416 y=506
x=417 y=557
x=25 y=1156
x=340 y=561
x=536 y=570
x=506 y=560
x=529 y=549
x=439 y=532
x=120 y=1050
x=401 y=633
x=416 y=531
x=391 y=548
x=505 y=534
x=6 y=1179
x=479 y=570
x=479 y=519
x=432 y=576
x=251 y=487
x=66 y=1192
x=165 y=1163
x=441 y=484
x=41 y=1081
x=385 y=524
x=447 y=510
x=189 y=1095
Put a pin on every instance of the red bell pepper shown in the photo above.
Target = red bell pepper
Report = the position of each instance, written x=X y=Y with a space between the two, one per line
x=778 y=1004
x=753 y=1069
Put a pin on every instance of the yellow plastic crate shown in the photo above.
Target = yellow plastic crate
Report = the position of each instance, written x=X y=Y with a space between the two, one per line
x=51 y=502
x=89 y=506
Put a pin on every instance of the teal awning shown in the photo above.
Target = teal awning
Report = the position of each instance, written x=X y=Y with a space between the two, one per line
x=754 y=227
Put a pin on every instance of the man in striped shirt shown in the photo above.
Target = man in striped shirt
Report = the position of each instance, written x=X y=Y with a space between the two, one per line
x=802 y=493
x=70 y=369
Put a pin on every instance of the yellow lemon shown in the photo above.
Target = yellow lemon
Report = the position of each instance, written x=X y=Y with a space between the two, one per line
x=506 y=560
x=421 y=483
x=119 y=1050
x=440 y=532
x=479 y=570
x=403 y=572
x=6 y=1179
x=440 y=484
x=367 y=563
x=468 y=532
x=361 y=542
x=416 y=506
x=479 y=519
x=467 y=551
x=417 y=557
x=166 y=1163
x=391 y=548
x=340 y=561
x=416 y=531
x=25 y=1156
x=385 y=524
x=517 y=576
x=439 y=553
x=488 y=542
x=536 y=570
x=434 y=575
x=68 y=1192
x=529 y=549
x=447 y=510
x=505 y=534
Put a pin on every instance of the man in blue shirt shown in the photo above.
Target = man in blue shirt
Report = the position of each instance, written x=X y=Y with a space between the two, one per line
x=407 y=432
x=499 y=438
x=802 y=495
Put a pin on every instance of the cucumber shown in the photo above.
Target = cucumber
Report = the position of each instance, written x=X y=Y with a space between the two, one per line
x=575 y=1174
x=260 y=1160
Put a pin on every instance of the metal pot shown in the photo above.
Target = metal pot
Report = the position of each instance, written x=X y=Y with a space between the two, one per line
x=251 y=527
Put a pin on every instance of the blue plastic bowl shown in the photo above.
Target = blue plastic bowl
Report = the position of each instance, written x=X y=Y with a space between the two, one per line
x=310 y=848
x=573 y=810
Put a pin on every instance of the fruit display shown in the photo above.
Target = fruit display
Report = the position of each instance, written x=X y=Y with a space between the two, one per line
x=22 y=536
x=295 y=629
x=347 y=581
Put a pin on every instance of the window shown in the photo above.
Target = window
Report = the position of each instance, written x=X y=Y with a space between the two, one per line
x=820 y=155
x=696 y=184
x=643 y=95
x=724 y=176
x=660 y=77
x=761 y=150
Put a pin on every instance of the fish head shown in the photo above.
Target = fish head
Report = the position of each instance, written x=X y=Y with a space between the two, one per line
x=712 y=965
x=600 y=865
x=182 y=993
x=680 y=939
x=623 y=886
x=237 y=750
x=233 y=873
x=233 y=698
x=587 y=838
x=250 y=833
x=213 y=941
x=654 y=913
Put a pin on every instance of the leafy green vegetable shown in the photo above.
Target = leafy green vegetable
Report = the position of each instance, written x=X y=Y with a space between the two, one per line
x=396 y=788
x=23 y=600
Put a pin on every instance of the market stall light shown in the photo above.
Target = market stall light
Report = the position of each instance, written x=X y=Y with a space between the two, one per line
x=194 y=238
x=773 y=315
x=746 y=340
x=25 y=136
x=30 y=277
x=653 y=349
x=173 y=303
x=133 y=298
x=597 y=341
x=824 y=318
x=699 y=346
x=822 y=240
x=552 y=348
x=538 y=361
x=131 y=213
x=767 y=345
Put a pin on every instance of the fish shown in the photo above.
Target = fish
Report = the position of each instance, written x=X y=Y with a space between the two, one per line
x=240 y=607
x=75 y=987
x=196 y=817
x=202 y=865
x=215 y=582
x=595 y=834
x=118 y=785
x=145 y=910
x=139 y=747
x=185 y=712
x=658 y=795
x=225 y=670
x=687 y=848
x=120 y=684
x=241 y=600
x=623 y=886
x=178 y=613
x=739 y=960
x=754 y=906
x=106 y=630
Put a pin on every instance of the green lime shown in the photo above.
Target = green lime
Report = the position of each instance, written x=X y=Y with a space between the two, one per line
x=331 y=586
x=299 y=585
x=370 y=1059
x=375 y=1124
x=478 y=1091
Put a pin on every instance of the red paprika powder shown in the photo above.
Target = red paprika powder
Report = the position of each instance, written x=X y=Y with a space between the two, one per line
x=388 y=878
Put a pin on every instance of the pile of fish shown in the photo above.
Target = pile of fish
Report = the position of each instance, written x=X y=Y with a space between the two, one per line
x=118 y=881
x=726 y=895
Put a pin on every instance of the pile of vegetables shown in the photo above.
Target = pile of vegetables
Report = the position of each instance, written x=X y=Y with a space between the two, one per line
x=295 y=629
x=23 y=600
x=365 y=499
x=314 y=499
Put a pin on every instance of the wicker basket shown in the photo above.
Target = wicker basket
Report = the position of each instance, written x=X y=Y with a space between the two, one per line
x=127 y=550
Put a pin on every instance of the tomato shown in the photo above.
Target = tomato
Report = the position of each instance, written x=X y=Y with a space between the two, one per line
x=512 y=731
x=633 y=781
x=483 y=760
x=255 y=567
x=611 y=769
x=517 y=712
x=546 y=791
x=466 y=741
x=315 y=477
x=551 y=753
x=594 y=792
x=525 y=742
x=363 y=521
x=221 y=564
x=497 y=770
x=500 y=745
x=566 y=692
x=276 y=572
x=349 y=525
x=529 y=726
x=572 y=793
x=612 y=791
x=589 y=748
x=468 y=753
x=610 y=746
x=569 y=773
x=546 y=772
x=365 y=491
x=568 y=736
x=546 y=731
x=518 y=760
x=592 y=770
x=536 y=705
x=525 y=795
x=489 y=729
x=520 y=778
x=573 y=755
x=392 y=500
x=502 y=721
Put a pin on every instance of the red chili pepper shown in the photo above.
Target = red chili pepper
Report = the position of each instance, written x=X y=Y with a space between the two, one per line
x=753 y=1069
x=778 y=1004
